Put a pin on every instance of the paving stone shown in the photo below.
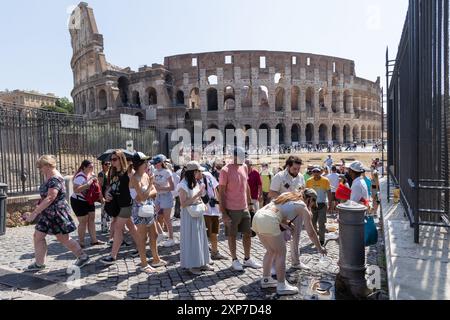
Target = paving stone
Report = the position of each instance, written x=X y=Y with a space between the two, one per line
x=125 y=281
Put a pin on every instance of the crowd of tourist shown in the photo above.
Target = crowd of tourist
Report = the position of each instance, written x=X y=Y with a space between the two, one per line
x=141 y=195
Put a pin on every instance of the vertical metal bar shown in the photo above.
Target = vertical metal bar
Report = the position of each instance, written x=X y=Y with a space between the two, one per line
x=415 y=43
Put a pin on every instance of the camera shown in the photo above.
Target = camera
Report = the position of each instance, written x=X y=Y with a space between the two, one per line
x=213 y=202
x=206 y=199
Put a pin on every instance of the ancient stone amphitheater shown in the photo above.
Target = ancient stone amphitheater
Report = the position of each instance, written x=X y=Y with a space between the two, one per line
x=309 y=98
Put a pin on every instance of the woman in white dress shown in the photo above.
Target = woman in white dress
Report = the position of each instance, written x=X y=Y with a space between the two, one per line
x=194 y=251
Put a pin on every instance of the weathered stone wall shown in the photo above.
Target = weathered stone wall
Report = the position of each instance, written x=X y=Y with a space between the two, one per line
x=310 y=98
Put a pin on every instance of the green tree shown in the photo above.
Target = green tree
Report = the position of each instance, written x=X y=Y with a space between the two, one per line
x=62 y=105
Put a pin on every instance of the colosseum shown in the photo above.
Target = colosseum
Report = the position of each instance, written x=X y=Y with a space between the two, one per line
x=309 y=98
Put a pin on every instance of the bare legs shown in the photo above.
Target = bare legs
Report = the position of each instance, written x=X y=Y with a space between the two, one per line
x=276 y=251
x=246 y=241
x=118 y=234
x=87 y=222
x=168 y=222
x=40 y=246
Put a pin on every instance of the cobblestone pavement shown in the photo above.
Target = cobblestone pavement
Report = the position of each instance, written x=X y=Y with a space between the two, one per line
x=124 y=281
x=11 y=293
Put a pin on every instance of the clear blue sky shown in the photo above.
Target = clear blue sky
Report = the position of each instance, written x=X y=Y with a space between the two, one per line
x=35 y=48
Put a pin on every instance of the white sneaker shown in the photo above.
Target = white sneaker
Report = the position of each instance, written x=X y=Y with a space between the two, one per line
x=237 y=266
x=169 y=243
x=285 y=289
x=161 y=237
x=252 y=264
x=300 y=266
x=268 y=283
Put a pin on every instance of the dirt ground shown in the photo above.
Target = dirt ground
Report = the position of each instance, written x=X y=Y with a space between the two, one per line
x=319 y=158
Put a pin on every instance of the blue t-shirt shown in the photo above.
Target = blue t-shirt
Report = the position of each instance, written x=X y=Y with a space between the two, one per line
x=369 y=185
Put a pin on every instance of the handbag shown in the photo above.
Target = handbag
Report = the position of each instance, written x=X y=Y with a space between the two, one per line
x=370 y=232
x=146 y=211
x=196 y=210
x=112 y=208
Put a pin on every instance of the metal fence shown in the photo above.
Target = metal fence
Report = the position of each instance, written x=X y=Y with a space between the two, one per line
x=418 y=114
x=26 y=134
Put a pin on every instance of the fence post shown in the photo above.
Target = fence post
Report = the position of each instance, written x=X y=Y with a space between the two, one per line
x=69 y=187
x=351 y=279
x=3 y=197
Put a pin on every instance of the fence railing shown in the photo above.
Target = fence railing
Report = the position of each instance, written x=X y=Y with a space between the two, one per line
x=26 y=134
x=418 y=114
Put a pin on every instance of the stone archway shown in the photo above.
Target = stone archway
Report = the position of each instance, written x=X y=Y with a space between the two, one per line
x=323 y=134
x=281 y=133
x=309 y=133
x=295 y=133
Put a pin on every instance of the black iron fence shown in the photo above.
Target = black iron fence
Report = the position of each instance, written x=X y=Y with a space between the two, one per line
x=26 y=134
x=418 y=114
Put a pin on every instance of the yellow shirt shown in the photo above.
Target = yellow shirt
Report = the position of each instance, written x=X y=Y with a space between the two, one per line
x=266 y=178
x=321 y=186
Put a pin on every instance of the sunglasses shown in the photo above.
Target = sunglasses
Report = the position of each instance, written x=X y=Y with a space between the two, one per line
x=107 y=164
x=114 y=159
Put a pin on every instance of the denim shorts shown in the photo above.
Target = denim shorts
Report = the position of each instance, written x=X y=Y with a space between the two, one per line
x=164 y=200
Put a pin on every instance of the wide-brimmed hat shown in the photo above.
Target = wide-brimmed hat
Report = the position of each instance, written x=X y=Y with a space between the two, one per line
x=193 y=166
x=357 y=166
x=139 y=156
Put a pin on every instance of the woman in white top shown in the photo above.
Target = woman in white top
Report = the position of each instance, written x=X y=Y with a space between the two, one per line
x=164 y=200
x=212 y=214
x=84 y=212
x=282 y=213
x=194 y=251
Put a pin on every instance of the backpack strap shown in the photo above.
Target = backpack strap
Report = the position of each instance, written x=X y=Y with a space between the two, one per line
x=80 y=174
x=206 y=183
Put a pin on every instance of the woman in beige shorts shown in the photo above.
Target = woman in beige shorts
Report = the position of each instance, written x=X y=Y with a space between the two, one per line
x=282 y=213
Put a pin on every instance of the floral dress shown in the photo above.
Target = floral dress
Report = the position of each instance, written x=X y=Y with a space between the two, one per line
x=56 y=218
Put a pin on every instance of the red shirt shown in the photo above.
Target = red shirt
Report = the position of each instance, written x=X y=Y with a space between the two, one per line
x=254 y=181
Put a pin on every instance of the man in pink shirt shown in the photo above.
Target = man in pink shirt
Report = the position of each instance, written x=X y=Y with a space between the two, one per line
x=235 y=205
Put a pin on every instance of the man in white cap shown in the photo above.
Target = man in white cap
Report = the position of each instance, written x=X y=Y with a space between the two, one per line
x=359 y=194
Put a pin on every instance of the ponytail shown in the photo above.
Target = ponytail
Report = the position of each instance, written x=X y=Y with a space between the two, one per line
x=84 y=165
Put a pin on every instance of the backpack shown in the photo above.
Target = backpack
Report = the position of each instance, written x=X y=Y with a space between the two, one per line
x=93 y=194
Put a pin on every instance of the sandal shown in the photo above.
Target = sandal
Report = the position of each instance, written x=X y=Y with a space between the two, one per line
x=196 y=271
x=149 y=270
x=161 y=263
x=98 y=243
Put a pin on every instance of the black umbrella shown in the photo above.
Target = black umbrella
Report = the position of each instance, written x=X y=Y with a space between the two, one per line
x=106 y=156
